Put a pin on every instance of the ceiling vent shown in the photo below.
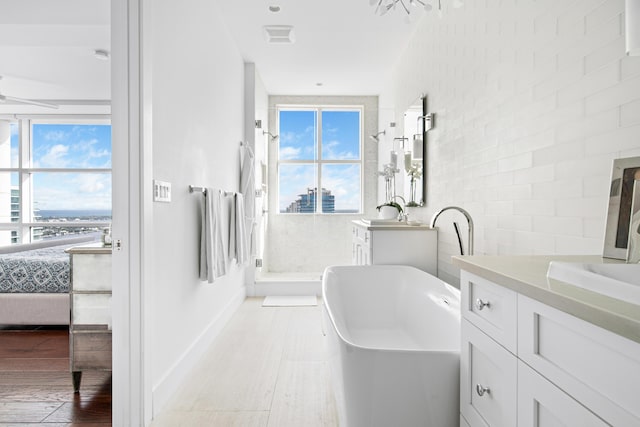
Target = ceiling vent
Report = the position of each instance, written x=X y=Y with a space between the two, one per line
x=279 y=34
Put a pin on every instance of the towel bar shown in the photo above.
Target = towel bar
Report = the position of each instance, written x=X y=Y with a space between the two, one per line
x=203 y=190
x=193 y=189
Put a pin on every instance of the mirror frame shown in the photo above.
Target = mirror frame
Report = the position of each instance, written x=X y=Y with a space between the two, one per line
x=421 y=191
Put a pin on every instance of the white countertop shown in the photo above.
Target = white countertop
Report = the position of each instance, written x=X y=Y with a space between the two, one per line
x=391 y=225
x=527 y=275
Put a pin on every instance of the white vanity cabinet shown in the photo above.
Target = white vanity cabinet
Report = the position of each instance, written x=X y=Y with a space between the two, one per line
x=399 y=243
x=488 y=367
x=90 y=325
x=527 y=364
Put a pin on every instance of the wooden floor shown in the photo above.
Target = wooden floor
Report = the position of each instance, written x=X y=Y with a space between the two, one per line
x=35 y=382
x=267 y=368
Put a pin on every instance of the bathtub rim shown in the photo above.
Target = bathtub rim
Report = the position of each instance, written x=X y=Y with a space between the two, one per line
x=362 y=347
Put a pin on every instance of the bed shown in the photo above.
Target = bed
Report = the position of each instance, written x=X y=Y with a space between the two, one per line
x=34 y=282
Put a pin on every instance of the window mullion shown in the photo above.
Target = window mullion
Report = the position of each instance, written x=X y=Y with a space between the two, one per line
x=319 y=161
x=24 y=181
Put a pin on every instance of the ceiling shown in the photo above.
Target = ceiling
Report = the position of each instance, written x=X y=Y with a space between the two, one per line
x=47 y=49
x=339 y=43
x=47 y=46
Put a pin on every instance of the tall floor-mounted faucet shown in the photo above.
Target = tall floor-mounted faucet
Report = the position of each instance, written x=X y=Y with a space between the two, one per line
x=466 y=215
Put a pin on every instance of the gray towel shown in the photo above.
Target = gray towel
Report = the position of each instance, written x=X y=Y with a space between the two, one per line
x=213 y=257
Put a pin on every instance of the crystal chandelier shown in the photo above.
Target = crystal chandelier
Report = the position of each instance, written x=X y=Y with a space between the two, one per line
x=384 y=6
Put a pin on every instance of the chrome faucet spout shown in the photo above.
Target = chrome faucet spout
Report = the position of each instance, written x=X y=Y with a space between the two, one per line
x=402 y=216
x=466 y=215
x=404 y=202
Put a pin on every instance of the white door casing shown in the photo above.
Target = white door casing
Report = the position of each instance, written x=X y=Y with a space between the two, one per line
x=131 y=381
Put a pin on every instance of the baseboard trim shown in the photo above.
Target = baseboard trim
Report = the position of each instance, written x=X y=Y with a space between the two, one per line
x=171 y=381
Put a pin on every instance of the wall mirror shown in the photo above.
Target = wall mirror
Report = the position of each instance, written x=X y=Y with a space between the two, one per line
x=414 y=143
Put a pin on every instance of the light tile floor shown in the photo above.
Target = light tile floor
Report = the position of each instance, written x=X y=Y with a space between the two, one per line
x=267 y=368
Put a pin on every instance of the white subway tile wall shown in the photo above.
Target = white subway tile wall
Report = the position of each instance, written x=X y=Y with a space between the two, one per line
x=533 y=101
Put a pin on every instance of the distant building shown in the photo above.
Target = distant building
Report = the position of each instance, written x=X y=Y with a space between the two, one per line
x=306 y=203
x=36 y=232
x=15 y=213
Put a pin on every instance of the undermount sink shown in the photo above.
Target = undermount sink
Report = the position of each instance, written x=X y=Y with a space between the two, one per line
x=379 y=221
x=615 y=280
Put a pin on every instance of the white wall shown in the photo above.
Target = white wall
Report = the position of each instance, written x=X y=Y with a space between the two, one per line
x=533 y=100
x=198 y=123
x=309 y=243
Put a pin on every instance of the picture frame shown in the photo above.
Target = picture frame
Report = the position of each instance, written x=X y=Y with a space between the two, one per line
x=633 y=248
x=624 y=174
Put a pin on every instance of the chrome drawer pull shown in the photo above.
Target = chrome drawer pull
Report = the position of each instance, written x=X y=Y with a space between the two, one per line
x=482 y=304
x=481 y=390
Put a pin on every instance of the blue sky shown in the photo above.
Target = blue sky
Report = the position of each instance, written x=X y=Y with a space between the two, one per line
x=70 y=146
x=340 y=141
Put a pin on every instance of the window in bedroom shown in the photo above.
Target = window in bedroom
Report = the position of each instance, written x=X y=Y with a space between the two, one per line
x=55 y=179
x=319 y=160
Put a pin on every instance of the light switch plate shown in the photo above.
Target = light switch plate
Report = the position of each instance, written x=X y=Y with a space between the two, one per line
x=161 y=191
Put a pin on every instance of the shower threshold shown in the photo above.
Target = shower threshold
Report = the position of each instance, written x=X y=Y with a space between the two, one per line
x=294 y=283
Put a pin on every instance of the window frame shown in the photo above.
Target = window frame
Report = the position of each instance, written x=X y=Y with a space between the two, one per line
x=317 y=160
x=25 y=170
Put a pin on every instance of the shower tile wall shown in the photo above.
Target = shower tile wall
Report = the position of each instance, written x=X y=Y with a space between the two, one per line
x=309 y=243
x=533 y=101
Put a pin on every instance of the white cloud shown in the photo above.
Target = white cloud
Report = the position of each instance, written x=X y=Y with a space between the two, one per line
x=72 y=191
x=287 y=153
x=56 y=135
x=344 y=183
x=330 y=150
x=91 y=184
x=297 y=145
x=56 y=156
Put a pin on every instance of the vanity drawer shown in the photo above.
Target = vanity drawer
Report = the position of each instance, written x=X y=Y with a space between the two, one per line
x=491 y=308
x=487 y=380
x=542 y=404
x=598 y=368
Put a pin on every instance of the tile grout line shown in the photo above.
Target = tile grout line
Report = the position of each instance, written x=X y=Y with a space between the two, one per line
x=275 y=386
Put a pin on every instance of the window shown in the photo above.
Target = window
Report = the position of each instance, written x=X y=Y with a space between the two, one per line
x=320 y=160
x=55 y=179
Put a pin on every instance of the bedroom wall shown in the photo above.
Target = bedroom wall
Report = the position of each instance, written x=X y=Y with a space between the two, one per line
x=533 y=101
x=198 y=123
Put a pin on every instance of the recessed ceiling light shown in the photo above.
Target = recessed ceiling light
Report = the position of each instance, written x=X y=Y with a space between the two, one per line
x=101 y=54
x=319 y=84
x=274 y=8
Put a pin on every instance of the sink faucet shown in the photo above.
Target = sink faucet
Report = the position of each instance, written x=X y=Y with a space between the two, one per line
x=402 y=216
x=466 y=215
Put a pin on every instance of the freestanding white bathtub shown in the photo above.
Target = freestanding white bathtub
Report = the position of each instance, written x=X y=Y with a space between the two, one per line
x=393 y=336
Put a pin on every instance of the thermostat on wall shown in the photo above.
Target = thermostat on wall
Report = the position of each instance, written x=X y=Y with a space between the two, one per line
x=161 y=191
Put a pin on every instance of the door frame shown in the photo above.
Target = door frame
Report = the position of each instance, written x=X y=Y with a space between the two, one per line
x=131 y=391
